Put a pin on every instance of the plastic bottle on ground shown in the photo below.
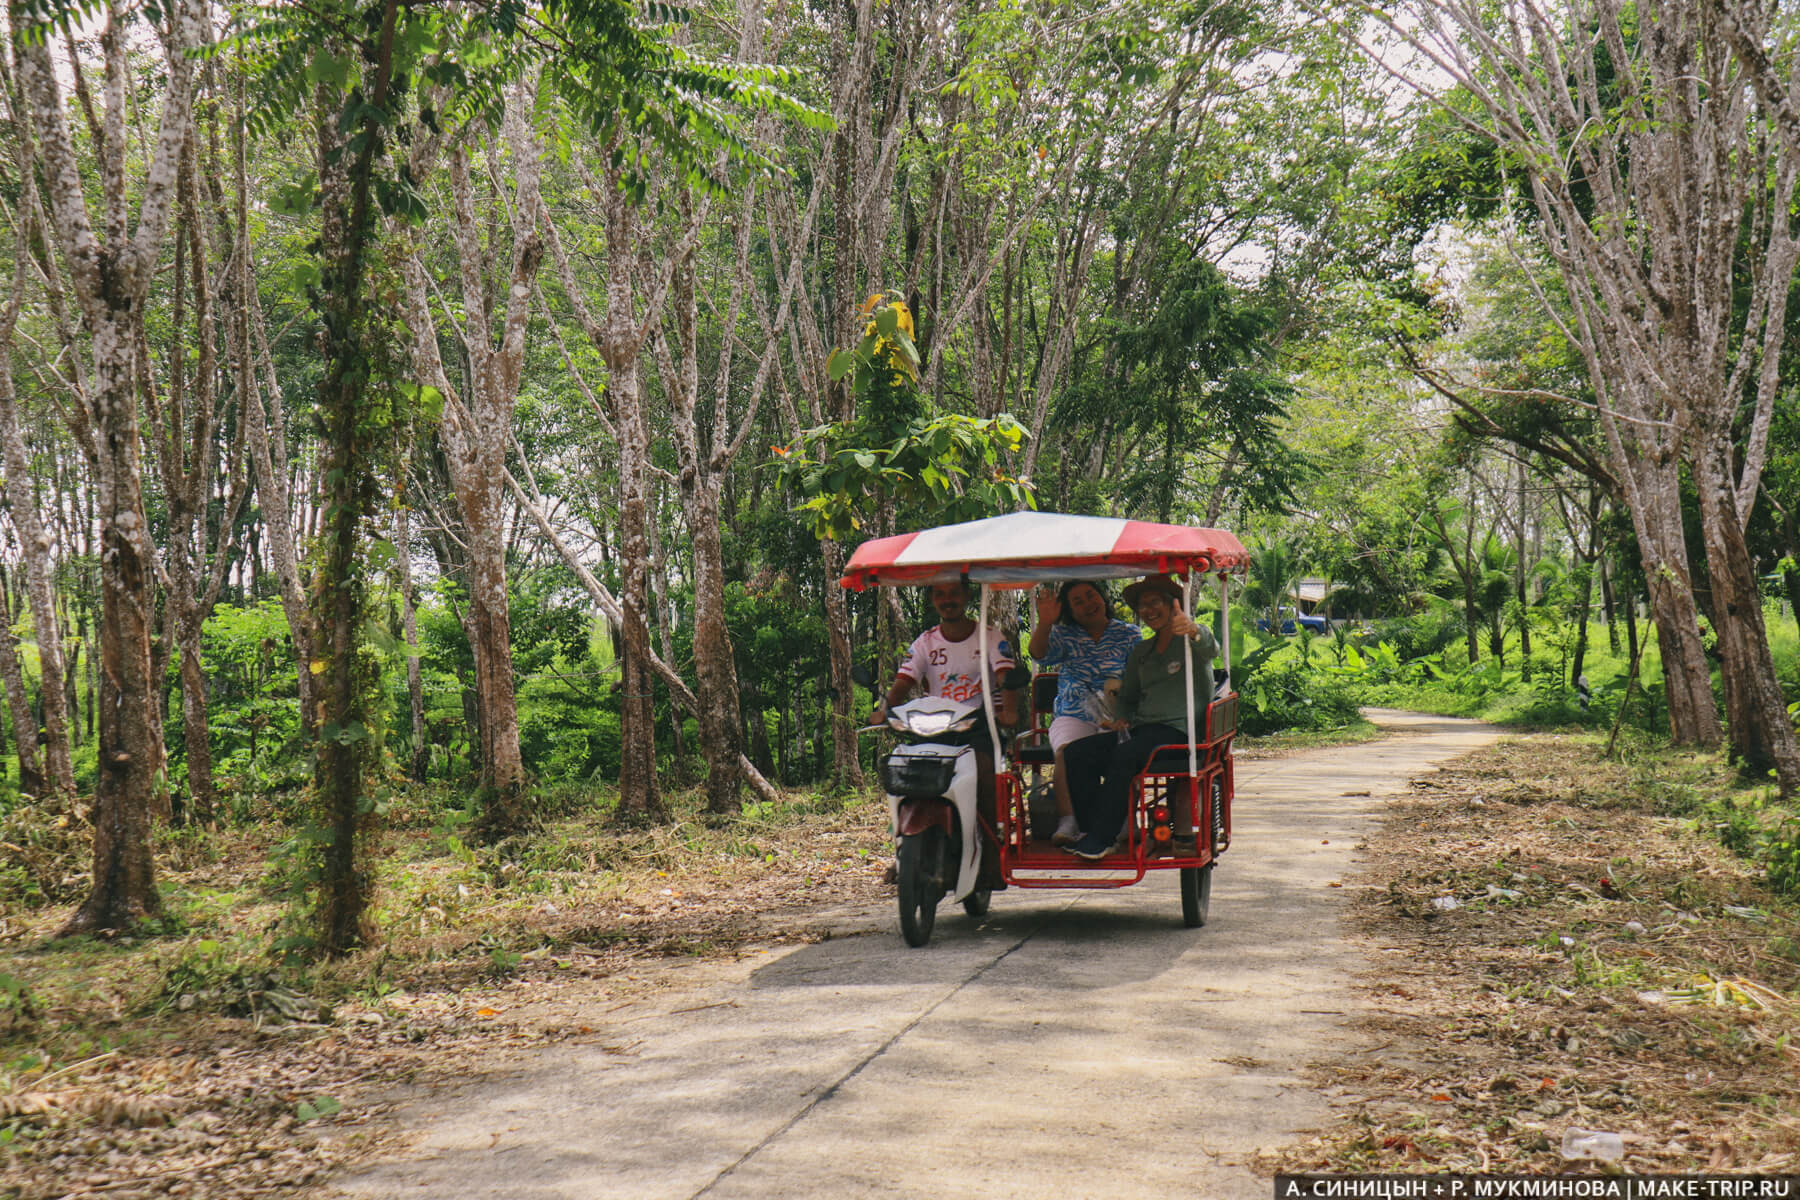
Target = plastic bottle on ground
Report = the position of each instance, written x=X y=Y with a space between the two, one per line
x=1592 y=1143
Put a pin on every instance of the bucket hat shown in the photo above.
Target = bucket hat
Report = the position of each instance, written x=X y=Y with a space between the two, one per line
x=1152 y=583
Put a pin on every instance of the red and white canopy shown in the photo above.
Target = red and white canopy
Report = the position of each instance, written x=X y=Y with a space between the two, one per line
x=1020 y=549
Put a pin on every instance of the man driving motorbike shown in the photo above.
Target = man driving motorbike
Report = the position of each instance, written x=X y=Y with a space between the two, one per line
x=945 y=661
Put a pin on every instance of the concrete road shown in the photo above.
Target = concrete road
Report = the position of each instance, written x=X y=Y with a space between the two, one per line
x=1071 y=1043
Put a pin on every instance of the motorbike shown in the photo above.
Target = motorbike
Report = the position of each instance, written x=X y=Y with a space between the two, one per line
x=932 y=781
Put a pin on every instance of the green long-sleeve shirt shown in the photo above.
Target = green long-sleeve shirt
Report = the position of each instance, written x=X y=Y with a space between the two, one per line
x=1150 y=690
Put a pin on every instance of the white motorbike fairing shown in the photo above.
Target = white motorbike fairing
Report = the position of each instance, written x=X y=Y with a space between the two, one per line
x=963 y=795
x=939 y=715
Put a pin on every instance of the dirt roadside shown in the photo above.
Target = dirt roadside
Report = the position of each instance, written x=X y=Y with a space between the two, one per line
x=1556 y=941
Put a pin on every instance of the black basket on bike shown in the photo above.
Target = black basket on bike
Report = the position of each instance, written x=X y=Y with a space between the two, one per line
x=918 y=772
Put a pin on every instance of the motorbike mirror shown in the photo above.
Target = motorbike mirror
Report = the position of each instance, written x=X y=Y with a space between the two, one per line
x=1016 y=677
x=862 y=675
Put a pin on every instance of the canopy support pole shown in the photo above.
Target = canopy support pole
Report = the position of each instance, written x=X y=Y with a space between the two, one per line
x=1187 y=652
x=987 y=693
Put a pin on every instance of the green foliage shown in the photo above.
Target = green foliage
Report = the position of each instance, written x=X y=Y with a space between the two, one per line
x=253 y=703
x=941 y=469
x=1782 y=855
x=18 y=1006
x=938 y=469
x=1274 y=569
x=1290 y=695
x=1191 y=379
x=1756 y=826
x=317 y=1107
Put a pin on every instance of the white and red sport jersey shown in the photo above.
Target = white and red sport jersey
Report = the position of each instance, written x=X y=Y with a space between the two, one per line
x=952 y=669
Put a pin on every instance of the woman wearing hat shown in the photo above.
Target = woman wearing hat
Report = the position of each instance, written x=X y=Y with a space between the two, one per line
x=1152 y=713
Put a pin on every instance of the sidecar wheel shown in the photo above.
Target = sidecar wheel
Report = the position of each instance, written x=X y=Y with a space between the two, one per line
x=1196 y=895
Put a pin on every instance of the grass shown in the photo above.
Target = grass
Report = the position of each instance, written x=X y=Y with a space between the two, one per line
x=1547 y=702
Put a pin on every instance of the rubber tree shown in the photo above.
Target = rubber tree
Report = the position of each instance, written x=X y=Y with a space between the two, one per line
x=476 y=427
x=111 y=267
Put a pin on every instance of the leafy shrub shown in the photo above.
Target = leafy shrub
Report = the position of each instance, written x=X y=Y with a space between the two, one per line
x=562 y=742
x=1288 y=696
x=1422 y=635
x=45 y=858
x=234 y=977
x=1783 y=858
x=255 y=706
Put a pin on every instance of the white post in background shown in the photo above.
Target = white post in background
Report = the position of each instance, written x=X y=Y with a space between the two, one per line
x=1225 y=623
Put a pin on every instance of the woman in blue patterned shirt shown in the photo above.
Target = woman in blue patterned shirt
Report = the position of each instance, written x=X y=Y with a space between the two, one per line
x=1078 y=635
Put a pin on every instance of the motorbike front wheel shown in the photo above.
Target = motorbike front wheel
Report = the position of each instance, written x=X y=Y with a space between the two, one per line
x=920 y=856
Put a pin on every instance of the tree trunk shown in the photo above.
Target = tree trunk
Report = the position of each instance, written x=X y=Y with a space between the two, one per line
x=665 y=641
x=1762 y=736
x=56 y=786
x=25 y=726
x=420 y=759
x=477 y=428
x=1519 y=580
x=265 y=435
x=111 y=271
x=1581 y=616
x=1629 y=604
x=1693 y=714
x=721 y=731
x=345 y=740
x=637 y=767
x=846 y=764
x=506 y=808
x=130 y=719
x=201 y=797
x=1608 y=608
x=616 y=615
x=1471 y=619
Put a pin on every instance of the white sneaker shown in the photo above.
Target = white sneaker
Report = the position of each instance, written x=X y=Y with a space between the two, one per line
x=1067 y=832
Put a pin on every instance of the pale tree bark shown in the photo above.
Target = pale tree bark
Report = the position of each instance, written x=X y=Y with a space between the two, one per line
x=111 y=272
x=532 y=503
x=705 y=448
x=854 y=180
x=420 y=760
x=55 y=788
x=619 y=336
x=704 y=451
x=476 y=431
x=265 y=428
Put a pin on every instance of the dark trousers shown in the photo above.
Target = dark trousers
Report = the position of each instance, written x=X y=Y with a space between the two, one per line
x=1101 y=769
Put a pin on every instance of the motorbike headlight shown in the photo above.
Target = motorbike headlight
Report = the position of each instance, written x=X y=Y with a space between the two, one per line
x=928 y=724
